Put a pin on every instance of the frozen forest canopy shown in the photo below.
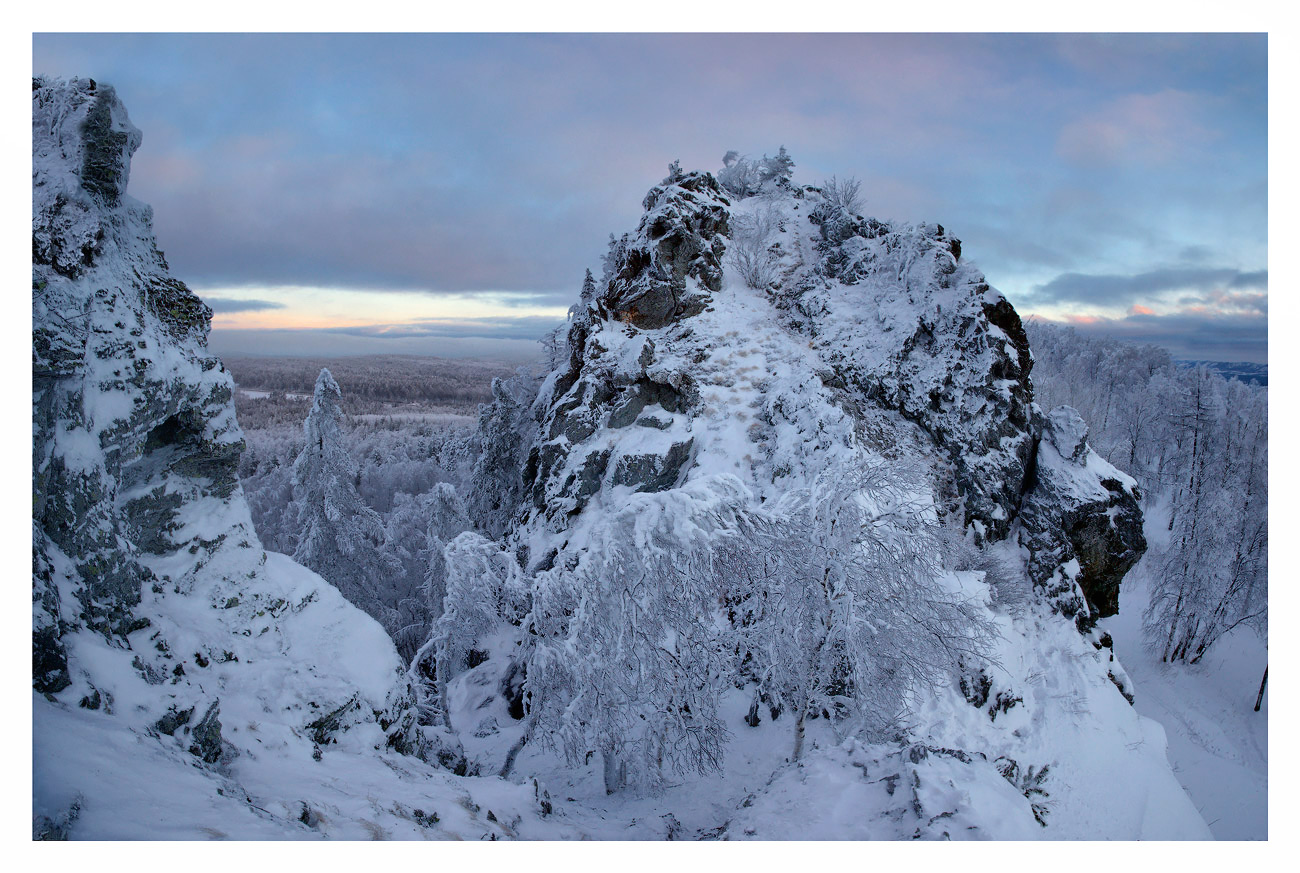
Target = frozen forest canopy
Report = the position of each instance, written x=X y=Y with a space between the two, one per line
x=777 y=540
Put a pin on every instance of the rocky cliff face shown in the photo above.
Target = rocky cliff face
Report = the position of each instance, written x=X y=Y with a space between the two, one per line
x=906 y=343
x=1080 y=522
x=172 y=658
x=132 y=419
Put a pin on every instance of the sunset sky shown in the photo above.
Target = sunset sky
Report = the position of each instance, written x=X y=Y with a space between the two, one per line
x=443 y=194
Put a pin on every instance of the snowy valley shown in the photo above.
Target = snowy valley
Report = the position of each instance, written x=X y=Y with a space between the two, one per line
x=779 y=539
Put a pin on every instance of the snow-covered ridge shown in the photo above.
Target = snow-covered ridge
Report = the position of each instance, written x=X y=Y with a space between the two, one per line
x=831 y=347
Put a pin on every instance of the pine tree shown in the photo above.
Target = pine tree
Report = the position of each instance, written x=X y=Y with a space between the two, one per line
x=341 y=538
x=504 y=433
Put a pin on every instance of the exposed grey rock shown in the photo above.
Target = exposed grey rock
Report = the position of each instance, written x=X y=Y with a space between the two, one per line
x=681 y=236
x=649 y=472
x=323 y=729
x=206 y=736
x=175 y=719
x=655 y=421
x=1068 y=432
x=1079 y=508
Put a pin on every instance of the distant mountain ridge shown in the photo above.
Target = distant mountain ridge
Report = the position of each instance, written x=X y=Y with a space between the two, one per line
x=1245 y=371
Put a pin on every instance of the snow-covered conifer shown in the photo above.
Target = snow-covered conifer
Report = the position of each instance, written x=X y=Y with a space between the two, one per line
x=505 y=431
x=340 y=537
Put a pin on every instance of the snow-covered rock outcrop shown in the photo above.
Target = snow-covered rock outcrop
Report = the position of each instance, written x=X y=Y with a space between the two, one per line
x=891 y=318
x=186 y=683
x=829 y=342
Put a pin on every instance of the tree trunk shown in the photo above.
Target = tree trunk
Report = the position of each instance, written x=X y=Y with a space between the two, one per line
x=613 y=772
x=1260 y=698
x=512 y=754
x=798 y=738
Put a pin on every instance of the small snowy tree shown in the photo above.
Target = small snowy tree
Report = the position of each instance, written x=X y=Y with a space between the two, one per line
x=485 y=593
x=745 y=177
x=750 y=252
x=628 y=642
x=340 y=537
x=843 y=194
x=777 y=170
x=838 y=600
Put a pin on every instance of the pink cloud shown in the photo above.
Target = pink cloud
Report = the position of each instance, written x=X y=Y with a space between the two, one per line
x=1146 y=128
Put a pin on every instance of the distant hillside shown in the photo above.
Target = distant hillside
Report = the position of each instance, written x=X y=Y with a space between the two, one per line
x=386 y=378
x=1254 y=374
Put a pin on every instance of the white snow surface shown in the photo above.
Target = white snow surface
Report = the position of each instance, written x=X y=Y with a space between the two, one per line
x=1217 y=743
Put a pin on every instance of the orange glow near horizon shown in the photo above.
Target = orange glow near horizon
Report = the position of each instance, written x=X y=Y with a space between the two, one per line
x=302 y=308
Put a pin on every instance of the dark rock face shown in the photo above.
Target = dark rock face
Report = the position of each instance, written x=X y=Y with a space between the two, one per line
x=206 y=736
x=656 y=279
x=949 y=352
x=651 y=472
x=132 y=419
x=174 y=719
x=1080 y=521
x=680 y=237
x=107 y=148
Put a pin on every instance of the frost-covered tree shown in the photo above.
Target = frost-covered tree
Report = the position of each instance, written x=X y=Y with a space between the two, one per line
x=750 y=252
x=504 y=434
x=745 y=177
x=777 y=170
x=485 y=593
x=843 y=194
x=445 y=519
x=340 y=537
x=628 y=657
x=838 y=600
x=419 y=528
x=1212 y=574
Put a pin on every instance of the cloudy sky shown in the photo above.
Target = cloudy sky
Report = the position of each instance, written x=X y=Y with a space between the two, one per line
x=443 y=194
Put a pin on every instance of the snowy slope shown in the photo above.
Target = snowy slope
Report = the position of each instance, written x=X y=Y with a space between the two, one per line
x=1218 y=744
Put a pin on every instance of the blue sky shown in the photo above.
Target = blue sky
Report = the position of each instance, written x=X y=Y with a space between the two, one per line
x=444 y=193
